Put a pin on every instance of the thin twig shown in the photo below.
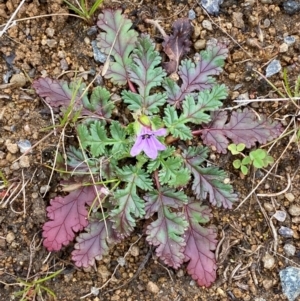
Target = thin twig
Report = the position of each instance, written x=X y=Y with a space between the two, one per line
x=269 y=195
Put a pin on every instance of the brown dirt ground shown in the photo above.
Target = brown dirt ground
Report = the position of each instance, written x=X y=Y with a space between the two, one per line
x=245 y=234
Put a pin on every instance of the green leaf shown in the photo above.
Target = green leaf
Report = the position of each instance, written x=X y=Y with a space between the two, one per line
x=119 y=141
x=118 y=40
x=146 y=74
x=138 y=176
x=95 y=138
x=175 y=125
x=167 y=230
x=240 y=147
x=237 y=163
x=208 y=100
x=244 y=169
x=208 y=180
x=128 y=206
x=99 y=102
x=246 y=160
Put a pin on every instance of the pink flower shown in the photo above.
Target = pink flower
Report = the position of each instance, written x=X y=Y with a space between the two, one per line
x=146 y=141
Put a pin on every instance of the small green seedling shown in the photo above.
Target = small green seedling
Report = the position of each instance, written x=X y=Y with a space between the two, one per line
x=35 y=288
x=82 y=8
x=259 y=158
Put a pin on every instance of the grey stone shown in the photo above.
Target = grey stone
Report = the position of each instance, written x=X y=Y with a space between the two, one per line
x=280 y=215
x=290 y=279
x=291 y=7
x=286 y=232
x=192 y=14
x=289 y=40
x=212 y=6
x=273 y=68
x=289 y=249
x=99 y=56
x=24 y=145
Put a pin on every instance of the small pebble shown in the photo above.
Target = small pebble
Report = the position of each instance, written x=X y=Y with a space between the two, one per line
x=200 y=44
x=238 y=21
x=12 y=147
x=15 y=166
x=180 y=273
x=24 y=145
x=44 y=189
x=289 y=249
x=267 y=283
x=291 y=7
x=121 y=261
x=283 y=47
x=92 y=30
x=10 y=237
x=19 y=80
x=152 y=287
x=50 y=32
x=273 y=68
x=290 y=278
x=207 y=25
x=280 y=215
x=269 y=261
x=24 y=162
x=290 y=197
x=135 y=251
x=267 y=23
x=99 y=56
x=268 y=206
x=51 y=43
x=289 y=40
x=286 y=232
x=212 y=6
x=191 y=14
x=294 y=210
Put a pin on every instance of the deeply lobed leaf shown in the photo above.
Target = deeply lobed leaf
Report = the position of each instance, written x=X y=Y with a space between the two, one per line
x=197 y=76
x=67 y=215
x=200 y=242
x=167 y=230
x=146 y=74
x=94 y=243
x=208 y=180
x=243 y=127
x=178 y=44
x=117 y=40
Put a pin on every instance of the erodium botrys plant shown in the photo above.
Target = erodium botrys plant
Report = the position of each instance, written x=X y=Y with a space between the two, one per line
x=148 y=162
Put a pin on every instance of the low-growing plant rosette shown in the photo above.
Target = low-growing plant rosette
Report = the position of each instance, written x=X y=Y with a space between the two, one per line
x=144 y=168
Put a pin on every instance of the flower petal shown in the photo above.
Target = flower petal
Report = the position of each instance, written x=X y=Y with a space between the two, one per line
x=138 y=146
x=150 y=148
x=160 y=132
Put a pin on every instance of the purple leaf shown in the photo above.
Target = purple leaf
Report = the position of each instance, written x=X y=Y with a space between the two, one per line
x=60 y=94
x=178 y=44
x=57 y=93
x=208 y=180
x=68 y=215
x=200 y=242
x=197 y=76
x=117 y=40
x=166 y=231
x=243 y=127
x=94 y=243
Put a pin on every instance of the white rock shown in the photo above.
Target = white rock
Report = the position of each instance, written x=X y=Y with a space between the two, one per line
x=269 y=261
x=152 y=287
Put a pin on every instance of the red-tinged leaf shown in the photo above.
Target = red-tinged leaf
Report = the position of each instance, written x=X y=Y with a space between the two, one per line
x=200 y=242
x=94 y=243
x=117 y=40
x=178 y=44
x=197 y=76
x=208 y=180
x=68 y=215
x=57 y=93
x=166 y=231
x=164 y=197
x=243 y=127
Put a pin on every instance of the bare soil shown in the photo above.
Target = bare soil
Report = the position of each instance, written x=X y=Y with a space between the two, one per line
x=254 y=31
